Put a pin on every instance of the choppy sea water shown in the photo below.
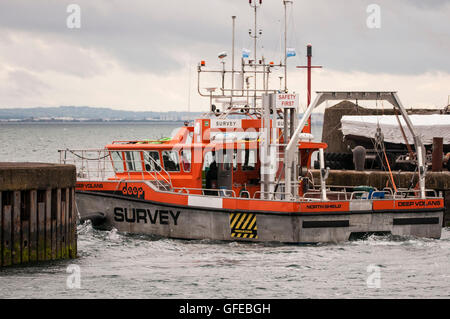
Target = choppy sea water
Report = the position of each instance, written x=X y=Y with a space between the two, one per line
x=115 y=265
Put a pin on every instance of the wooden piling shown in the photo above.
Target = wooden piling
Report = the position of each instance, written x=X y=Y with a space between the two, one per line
x=37 y=218
x=48 y=224
x=32 y=202
x=16 y=228
x=438 y=154
x=7 y=238
x=41 y=231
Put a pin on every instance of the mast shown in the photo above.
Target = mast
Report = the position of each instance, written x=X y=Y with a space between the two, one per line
x=232 y=56
x=285 y=3
x=254 y=50
x=255 y=67
x=307 y=128
x=255 y=4
x=189 y=89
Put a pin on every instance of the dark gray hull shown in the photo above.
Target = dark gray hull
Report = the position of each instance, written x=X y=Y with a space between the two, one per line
x=184 y=222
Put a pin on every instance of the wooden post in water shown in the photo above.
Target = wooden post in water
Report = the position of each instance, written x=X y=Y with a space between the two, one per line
x=438 y=154
x=37 y=212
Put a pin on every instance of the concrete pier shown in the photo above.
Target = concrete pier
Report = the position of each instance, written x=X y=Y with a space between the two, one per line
x=37 y=212
x=439 y=181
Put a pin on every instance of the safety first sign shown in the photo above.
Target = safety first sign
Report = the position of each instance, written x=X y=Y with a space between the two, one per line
x=286 y=100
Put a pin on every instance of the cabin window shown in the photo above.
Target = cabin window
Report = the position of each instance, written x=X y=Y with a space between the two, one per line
x=249 y=159
x=171 y=162
x=133 y=159
x=117 y=160
x=186 y=160
x=151 y=161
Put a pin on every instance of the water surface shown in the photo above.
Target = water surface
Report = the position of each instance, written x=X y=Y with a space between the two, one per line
x=115 y=265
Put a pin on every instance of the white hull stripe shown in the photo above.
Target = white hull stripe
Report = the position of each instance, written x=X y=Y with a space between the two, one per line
x=356 y=205
x=201 y=201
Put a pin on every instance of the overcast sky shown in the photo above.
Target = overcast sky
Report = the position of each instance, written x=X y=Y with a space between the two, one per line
x=142 y=55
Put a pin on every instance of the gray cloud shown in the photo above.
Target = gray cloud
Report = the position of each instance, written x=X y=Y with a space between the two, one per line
x=429 y=3
x=22 y=83
x=145 y=36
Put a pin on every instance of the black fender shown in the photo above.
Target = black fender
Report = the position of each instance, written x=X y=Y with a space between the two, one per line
x=96 y=219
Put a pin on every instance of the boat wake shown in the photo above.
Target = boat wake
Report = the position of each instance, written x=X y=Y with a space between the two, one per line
x=87 y=233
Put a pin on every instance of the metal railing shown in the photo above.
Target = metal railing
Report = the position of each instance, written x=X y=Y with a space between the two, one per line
x=380 y=194
x=359 y=195
x=406 y=193
x=272 y=195
x=96 y=164
x=341 y=195
x=205 y=191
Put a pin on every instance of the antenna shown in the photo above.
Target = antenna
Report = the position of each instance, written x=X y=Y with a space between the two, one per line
x=255 y=4
x=240 y=93
x=233 y=52
x=285 y=3
x=233 y=18
x=189 y=89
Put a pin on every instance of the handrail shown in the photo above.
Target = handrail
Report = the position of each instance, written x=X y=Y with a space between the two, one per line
x=181 y=189
x=244 y=192
x=305 y=196
x=158 y=172
x=95 y=164
x=86 y=170
x=224 y=191
x=415 y=191
x=202 y=190
x=270 y=193
x=379 y=192
x=359 y=192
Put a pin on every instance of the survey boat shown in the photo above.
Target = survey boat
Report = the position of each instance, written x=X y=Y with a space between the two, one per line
x=242 y=172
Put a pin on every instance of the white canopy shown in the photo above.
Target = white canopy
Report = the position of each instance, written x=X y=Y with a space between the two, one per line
x=426 y=126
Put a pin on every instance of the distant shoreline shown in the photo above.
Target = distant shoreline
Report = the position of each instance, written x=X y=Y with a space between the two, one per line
x=92 y=122
x=157 y=122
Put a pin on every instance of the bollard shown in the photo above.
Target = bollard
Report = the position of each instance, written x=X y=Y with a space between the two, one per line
x=359 y=157
x=37 y=212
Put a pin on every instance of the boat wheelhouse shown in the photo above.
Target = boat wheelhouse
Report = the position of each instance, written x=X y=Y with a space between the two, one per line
x=211 y=159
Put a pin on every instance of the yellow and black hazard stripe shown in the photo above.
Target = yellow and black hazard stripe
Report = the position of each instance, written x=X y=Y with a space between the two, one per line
x=243 y=225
